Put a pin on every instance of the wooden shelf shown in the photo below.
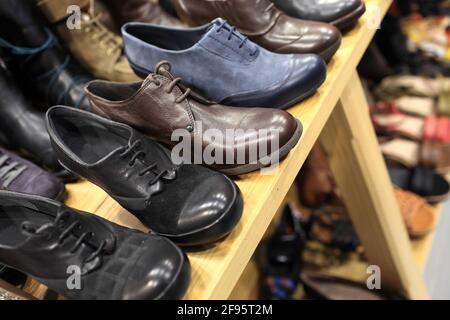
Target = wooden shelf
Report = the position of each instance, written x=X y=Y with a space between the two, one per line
x=216 y=269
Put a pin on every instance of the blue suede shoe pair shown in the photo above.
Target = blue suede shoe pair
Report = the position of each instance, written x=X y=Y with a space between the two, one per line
x=223 y=65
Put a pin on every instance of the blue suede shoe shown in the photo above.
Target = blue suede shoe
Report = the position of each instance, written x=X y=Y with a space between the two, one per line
x=223 y=65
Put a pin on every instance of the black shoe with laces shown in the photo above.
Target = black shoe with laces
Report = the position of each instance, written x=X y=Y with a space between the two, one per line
x=83 y=256
x=189 y=204
x=31 y=51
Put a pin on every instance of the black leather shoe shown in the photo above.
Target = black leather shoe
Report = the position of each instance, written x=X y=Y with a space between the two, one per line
x=189 y=204
x=23 y=129
x=43 y=238
x=344 y=14
x=31 y=50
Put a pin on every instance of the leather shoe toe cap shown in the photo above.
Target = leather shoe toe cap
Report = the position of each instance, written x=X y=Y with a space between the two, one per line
x=161 y=272
x=211 y=212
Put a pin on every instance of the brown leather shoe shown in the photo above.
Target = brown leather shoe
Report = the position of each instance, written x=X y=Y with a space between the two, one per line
x=93 y=44
x=145 y=11
x=264 y=24
x=418 y=215
x=315 y=181
x=159 y=105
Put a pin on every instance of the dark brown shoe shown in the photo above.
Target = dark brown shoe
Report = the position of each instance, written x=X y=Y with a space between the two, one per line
x=265 y=25
x=159 y=105
x=140 y=11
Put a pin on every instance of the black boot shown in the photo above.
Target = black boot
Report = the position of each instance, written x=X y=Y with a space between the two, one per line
x=31 y=50
x=23 y=129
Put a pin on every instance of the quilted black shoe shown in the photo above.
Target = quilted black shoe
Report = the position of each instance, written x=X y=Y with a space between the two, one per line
x=189 y=204
x=58 y=246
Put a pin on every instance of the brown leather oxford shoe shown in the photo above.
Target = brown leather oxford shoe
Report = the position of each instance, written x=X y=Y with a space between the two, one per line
x=243 y=139
x=265 y=25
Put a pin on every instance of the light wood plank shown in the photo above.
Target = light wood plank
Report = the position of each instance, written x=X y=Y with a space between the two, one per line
x=361 y=175
x=15 y=293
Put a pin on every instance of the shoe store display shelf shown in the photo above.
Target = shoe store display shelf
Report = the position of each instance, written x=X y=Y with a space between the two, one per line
x=338 y=116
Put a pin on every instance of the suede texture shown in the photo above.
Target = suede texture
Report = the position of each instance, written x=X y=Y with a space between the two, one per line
x=223 y=66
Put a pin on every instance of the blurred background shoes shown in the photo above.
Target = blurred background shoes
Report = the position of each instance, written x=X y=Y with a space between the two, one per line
x=32 y=53
x=265 y=25
x=324 y=287
x=280 y=258
x=22 y=128
x=147 y=11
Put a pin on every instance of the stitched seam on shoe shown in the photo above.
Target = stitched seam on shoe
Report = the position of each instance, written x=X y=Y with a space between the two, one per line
x=224 y=45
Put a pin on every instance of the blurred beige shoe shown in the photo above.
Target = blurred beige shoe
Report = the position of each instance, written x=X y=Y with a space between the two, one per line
x=94 y=45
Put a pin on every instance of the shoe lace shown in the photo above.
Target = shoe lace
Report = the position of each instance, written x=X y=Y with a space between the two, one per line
x=163 y=68
x=9 y=170
x=53 y=74
x=232 y=32
x=270 y=6
x=102 y=34
x=137 y=153
x=60 y=222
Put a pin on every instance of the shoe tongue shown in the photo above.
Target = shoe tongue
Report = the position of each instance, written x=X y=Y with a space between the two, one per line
x=152 y=76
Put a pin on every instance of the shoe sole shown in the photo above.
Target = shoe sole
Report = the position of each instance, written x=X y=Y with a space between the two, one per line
x=348 y=21
x=283 y=152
